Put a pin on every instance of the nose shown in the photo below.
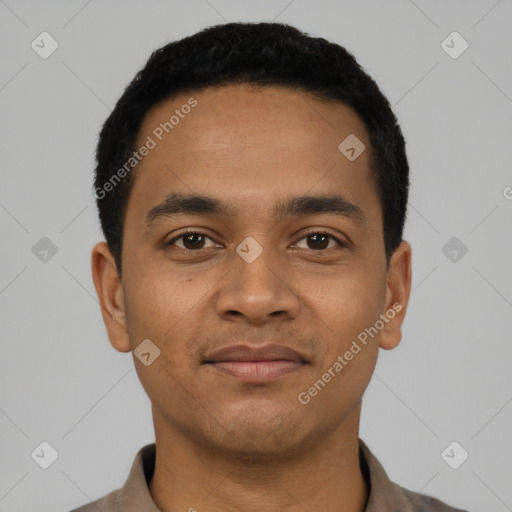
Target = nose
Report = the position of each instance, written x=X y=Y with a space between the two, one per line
x=257 y=292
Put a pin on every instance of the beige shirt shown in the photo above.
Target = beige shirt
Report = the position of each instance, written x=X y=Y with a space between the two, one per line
x=384 y=495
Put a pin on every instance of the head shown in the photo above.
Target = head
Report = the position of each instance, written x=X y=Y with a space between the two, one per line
x=238 y=136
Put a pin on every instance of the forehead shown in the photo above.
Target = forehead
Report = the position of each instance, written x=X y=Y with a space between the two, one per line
x=245 y=114
x=247 y=144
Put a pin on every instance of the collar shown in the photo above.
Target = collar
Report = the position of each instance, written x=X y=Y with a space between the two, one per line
x=383 y=494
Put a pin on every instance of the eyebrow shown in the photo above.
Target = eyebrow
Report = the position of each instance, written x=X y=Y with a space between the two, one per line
x=191 y=204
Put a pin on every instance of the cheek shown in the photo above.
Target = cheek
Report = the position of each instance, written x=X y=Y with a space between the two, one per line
x=348 y=302
x=155 y=306
x=158 y=312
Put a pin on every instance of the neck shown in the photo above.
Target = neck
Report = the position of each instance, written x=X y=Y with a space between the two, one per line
x=192 y=476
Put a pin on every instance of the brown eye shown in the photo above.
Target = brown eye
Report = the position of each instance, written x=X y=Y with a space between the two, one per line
x=191 y=241
x=318 y=240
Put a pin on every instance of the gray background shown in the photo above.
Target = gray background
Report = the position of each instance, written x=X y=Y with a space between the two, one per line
x=449 y=380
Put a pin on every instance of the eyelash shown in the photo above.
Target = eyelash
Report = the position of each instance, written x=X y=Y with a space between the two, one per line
x=341 y=244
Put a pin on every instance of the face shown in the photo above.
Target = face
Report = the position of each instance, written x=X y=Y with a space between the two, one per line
x=250 y=266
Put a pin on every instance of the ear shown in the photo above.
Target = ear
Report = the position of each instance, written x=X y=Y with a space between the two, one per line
x=110 y=294
x=397 y=295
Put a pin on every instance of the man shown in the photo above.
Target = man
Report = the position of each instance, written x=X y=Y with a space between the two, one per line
x=252 y=187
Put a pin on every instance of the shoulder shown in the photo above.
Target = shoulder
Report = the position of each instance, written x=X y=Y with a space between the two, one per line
x=108 y=503
x=416 y=502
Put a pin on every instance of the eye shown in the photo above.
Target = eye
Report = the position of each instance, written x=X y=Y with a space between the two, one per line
x=195 y=241
x=192 y=241
x=319 y=240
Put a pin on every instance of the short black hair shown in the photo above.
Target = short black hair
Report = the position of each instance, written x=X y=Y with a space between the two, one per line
x=260 y=54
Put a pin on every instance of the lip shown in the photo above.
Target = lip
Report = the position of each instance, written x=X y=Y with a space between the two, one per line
x=256 y=364
x=271 y=352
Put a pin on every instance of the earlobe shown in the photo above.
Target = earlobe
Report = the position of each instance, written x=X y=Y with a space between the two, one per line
x=397 y=295
x=110 y=295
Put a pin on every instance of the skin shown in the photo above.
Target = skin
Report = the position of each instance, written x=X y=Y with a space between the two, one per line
x=224 y=445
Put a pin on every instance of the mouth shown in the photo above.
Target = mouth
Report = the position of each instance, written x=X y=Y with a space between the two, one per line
x=256 y=365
